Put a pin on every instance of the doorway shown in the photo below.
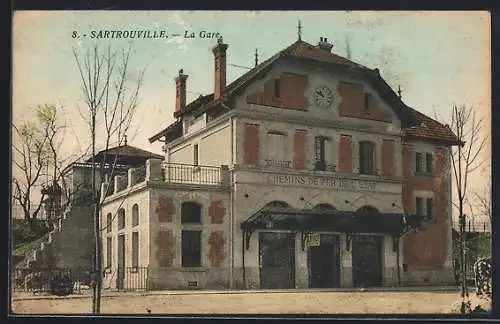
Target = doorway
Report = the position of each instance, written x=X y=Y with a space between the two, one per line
x=277 y=260
x=324 y=262
x=367 y=260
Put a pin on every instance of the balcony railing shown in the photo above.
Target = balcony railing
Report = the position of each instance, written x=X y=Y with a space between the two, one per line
x=278 y=163
x=192 y=174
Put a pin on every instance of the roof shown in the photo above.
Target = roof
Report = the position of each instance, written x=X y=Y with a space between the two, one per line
x=306 y=52
x=126 y=151
x=428 y=128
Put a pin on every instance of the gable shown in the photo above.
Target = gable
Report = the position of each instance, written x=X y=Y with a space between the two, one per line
x=298 y=90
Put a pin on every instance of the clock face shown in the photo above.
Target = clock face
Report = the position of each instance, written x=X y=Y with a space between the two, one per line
x=323 y=97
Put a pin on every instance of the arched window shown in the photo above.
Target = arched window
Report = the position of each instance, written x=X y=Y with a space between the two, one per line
x=367 y=209
x=121 y=218
x=109 y=222
x=367 y=157
x=135 y=215
x=324 y=207
x=191 y=212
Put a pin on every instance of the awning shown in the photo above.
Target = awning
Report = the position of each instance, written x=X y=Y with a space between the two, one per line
x=310 y=220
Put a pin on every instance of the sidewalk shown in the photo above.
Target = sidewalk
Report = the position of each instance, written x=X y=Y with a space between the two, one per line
x=19 y=296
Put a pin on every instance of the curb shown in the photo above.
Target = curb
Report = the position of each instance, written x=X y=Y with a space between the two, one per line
x=239 y=292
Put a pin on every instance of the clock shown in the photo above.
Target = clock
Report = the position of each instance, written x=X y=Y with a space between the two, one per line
x=323 y=97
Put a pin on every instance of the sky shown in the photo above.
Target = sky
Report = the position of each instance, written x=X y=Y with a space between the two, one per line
x=439 y=59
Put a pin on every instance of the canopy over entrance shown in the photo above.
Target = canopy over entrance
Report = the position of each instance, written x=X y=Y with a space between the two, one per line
x=314 y=220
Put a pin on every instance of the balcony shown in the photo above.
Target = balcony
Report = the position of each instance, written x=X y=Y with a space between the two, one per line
x=195 y=174
x=176 y=173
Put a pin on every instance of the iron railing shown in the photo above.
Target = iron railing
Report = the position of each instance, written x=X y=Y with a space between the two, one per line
x=126 y=278
x=56 y=281
x=191 y=174
x=139 y=174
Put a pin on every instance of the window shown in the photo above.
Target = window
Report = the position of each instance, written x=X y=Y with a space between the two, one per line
x=276 y=149
x=429 y=163
x=135 y=215
x=135 y=249
x=121 y=219
x=277 y=88
x=109 y=251
x=367 y=101
x=190 y=213
x=191 y=248
x=109 y=222
x=430 y=208
x=419 y=206
x=195 y=154
x=320 y=153
x=418 y=162
x=366 y=158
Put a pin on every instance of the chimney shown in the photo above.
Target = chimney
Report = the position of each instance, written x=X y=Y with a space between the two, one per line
x=220 y=68
x=324 y=45
x=180 y=91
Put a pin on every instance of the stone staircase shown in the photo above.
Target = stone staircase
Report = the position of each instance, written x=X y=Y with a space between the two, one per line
x=39 y=256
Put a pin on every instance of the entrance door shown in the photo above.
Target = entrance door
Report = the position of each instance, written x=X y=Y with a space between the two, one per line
x=324 y=263
x=277 y=260
x=367 y=260
x=120 y=274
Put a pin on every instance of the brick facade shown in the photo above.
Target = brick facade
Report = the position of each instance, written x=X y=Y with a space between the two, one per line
x=251 y=144
x=165 y=248
x=165 y=209
x=345 y=154
x=388 y=165
x=216 y=212
x=356 y=103
x=426 y=250
x=216 y=242
x=287 y=92
x=299 y=149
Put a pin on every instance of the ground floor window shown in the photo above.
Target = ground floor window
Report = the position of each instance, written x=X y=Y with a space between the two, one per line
x=135 y=249
x=191 y=248
x=109 y=251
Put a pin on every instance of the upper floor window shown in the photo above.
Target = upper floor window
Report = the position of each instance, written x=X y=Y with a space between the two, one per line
x=135 y=215
x=367 y=157
x=109 y=222
x=195 y=154
x=190 y=213
x=429 y=163
x=424 y=207
x=276 y=150
x=418 y=162
x=121 y=219
x=424 y=163
x=320 y=154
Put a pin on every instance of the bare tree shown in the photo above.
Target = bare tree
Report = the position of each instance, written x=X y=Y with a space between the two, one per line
x=36 y=155
x=111 y=96
x=483 y=202
x=465 y=160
